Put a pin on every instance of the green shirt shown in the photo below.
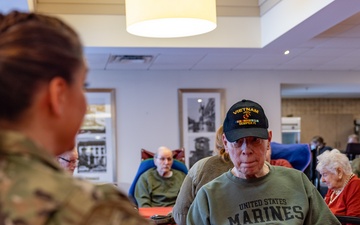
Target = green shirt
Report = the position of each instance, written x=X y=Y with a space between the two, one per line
x=201 y=173
x=283 y=196
x=35 y=190
x=153 y=190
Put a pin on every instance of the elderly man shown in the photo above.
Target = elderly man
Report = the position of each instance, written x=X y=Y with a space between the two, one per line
x=159 y=186
x=353 y=138
x=253 y=191
x=69 y=160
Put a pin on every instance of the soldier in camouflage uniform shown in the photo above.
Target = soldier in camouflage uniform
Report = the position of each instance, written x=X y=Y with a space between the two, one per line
x=42 y=73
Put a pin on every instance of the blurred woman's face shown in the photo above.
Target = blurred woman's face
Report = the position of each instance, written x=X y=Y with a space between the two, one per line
x=75 y=107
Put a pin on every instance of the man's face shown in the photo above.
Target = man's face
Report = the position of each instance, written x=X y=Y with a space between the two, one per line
x=353 y=140
x=163 y=162
x=69 y=160
x=248 y=155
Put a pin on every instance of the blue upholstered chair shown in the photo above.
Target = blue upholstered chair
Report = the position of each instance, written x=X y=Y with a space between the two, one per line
x=148 y=164
x=299 y=155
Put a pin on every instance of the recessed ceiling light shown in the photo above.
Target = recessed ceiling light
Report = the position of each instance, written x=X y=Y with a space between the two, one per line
x=130 y=59
x=287 y=52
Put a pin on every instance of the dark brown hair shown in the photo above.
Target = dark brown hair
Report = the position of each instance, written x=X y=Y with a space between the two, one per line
x=34 y=49
x=318 y=139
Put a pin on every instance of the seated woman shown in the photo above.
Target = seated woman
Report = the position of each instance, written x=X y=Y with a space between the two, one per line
x=343 y=186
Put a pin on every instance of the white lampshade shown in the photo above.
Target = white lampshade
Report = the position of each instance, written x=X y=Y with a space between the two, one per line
x=170 y=18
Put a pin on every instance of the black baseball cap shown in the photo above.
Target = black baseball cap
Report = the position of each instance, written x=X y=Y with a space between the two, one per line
x=245 y=119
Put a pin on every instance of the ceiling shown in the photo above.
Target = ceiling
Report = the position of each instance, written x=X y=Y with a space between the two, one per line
x=328 y=40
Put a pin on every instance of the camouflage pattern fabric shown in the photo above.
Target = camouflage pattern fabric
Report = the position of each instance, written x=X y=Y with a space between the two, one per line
x=34 y=189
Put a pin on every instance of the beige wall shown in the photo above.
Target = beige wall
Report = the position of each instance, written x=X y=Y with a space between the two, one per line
x=298 y=107
x=330 y=118
x=147 y=113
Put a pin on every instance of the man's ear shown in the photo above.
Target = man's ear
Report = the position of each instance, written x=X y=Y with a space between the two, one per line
x=270 y=136
x=57 y=91
x=155 y=162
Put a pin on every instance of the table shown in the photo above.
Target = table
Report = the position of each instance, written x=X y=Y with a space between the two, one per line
x=150 y=211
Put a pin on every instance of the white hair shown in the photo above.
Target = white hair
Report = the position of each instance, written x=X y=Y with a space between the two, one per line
x=332 y=160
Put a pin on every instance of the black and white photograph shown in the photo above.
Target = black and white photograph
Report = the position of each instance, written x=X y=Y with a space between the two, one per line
x=94 y=121
x=95 y=142
x=92 y=156
x=201 y=112
x=201 y=115
x=200 y=147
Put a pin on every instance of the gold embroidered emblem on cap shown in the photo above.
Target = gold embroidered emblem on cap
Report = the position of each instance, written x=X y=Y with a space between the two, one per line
x=247 y=122
x=245 y=109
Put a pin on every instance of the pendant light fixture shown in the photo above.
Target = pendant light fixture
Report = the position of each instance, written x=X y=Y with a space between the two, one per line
x=170 y=18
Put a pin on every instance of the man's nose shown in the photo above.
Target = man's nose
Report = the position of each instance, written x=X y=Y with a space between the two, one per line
x=245 y=148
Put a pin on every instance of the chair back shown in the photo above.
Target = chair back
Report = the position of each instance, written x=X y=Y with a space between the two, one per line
x=178 y=154
x=348 y=219
x=148 y=164
x=299 y=155
x=352 y=149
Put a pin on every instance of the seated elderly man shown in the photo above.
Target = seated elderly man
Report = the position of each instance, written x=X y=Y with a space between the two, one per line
x=69 y=160
x=253 y=191
x=353 y=138
x=159 y=186
x=206 y=170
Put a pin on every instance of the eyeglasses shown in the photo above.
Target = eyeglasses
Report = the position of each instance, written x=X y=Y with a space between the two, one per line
x=163 y=159
x=252 y=141
x=73 y=162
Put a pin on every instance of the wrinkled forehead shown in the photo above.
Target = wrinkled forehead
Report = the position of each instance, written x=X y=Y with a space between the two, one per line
x=73 y=154
x=325 y=171
x=165 y=154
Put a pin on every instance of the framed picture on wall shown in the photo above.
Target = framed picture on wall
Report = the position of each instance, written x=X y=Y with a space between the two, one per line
x=201 y=113
x=96 y=142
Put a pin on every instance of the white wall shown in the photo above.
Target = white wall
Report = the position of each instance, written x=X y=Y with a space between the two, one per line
x=147 y=103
